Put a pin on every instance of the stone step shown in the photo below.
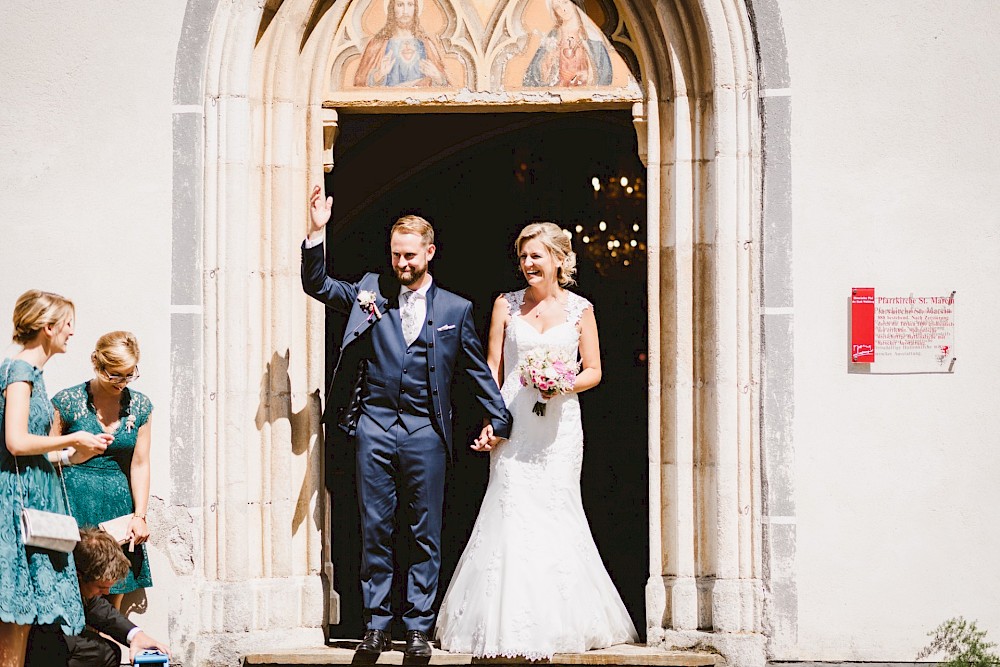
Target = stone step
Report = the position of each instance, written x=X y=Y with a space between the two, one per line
x=342 y=653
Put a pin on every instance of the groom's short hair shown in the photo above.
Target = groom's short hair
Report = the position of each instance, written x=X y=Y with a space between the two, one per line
x=414 y=224
x=98 y=557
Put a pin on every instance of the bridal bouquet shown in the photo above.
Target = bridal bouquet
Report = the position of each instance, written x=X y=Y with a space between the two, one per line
x=547 y=372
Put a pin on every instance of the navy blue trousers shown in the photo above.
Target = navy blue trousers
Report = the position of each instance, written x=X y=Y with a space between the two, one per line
x=404 y=473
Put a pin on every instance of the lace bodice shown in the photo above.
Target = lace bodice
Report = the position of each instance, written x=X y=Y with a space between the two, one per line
x=531 y=582
x=99 y=488
x=78 y=415
x=521 y=337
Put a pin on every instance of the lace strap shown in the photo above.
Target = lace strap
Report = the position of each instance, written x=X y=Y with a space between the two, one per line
x=514 y=302
x=575 y=305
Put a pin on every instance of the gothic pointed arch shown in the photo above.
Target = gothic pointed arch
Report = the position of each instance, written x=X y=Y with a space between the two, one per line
x=276 y=76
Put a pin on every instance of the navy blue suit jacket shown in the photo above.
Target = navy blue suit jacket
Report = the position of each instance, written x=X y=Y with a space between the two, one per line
x=454 y=344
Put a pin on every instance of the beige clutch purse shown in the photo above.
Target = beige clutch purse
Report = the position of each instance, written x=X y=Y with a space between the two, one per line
x=117 y=527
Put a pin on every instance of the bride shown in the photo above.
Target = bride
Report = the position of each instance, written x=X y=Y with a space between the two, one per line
x=531 y=582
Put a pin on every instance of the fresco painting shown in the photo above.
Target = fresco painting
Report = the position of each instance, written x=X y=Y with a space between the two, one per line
x=479 y=45
x=565 y=50
x=573 y=52
x=402 y=53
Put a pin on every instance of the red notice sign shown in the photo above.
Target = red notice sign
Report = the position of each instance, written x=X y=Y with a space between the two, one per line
x=863 y=325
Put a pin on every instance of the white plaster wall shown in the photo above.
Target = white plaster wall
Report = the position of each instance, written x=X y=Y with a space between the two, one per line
x=895 y=166
x=86 y=193
x=894 y=173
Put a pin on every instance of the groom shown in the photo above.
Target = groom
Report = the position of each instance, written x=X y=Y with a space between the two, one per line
x=409 y=337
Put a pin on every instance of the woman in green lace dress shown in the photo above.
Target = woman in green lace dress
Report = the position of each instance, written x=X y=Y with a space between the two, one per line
x=116 y=482
x=37 y=586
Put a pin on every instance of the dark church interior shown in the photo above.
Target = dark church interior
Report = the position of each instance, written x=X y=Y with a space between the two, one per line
x=479 y=178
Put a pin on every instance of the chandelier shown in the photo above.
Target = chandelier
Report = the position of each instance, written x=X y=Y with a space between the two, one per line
x=614 y=238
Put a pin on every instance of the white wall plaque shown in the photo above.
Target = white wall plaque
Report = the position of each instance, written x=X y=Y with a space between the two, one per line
x=914 y=333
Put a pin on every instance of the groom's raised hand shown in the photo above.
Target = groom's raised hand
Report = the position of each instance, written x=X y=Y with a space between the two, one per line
x=486 y=440
x=319 y=212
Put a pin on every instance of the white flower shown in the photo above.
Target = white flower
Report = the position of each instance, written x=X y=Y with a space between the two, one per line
x=366 y=299
x=130 y=423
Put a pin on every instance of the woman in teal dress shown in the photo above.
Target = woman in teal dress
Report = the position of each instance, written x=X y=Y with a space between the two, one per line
x=116 y=482
x=37 y=586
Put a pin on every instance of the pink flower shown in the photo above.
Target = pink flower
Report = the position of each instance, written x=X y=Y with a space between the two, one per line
x=549 y=372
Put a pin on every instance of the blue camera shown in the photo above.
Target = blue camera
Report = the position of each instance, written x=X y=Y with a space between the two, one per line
x=150 y=657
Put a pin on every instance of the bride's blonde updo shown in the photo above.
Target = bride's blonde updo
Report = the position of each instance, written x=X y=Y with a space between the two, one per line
x=115 y=351
x=557 y=241
x=36 y=310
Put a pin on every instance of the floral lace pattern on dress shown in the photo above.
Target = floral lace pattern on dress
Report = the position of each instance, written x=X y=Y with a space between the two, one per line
x=99 y=488
x=531 y=582
x=37 y=586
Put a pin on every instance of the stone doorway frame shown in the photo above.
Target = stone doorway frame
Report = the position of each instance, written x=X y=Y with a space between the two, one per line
x=238 y=308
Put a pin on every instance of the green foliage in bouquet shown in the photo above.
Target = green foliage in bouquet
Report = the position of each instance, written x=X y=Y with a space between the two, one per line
x=962 y=643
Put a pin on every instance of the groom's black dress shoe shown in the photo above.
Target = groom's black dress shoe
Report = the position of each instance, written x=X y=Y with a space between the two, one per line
x=417 y=645
x=374 y=642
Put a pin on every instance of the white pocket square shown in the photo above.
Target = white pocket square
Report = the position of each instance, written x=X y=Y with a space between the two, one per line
x=446 y=327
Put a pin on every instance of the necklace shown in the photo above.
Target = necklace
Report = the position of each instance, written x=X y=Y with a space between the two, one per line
x=543 y=305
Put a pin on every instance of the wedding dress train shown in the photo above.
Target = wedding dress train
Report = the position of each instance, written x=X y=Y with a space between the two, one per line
x=531 y=582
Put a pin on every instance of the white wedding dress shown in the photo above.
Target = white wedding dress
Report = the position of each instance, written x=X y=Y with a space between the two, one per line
x=531 y=582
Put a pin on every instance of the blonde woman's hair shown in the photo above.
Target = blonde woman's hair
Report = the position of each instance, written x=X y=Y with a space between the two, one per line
x=115 y=350
x=36 y=310
x=557 y=241
x=414 y=224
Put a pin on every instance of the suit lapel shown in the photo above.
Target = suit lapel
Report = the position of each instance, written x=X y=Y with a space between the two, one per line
x=430 y=335
x=429 y=320
x=389 y=290
x=360 y=320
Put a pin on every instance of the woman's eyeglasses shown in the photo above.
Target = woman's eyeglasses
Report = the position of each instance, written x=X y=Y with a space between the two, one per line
x=122 y=379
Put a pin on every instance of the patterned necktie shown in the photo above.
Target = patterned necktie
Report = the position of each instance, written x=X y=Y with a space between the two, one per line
x=408 y=314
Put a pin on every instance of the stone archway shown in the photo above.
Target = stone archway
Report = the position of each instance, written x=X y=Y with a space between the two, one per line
x=266 y=134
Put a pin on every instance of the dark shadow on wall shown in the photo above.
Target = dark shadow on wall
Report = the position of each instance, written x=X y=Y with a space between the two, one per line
x=275 y=405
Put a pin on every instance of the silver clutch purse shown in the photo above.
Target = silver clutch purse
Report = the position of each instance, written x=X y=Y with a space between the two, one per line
x=49 y=530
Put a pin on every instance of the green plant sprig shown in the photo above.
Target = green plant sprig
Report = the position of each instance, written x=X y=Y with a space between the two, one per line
x=963 y=643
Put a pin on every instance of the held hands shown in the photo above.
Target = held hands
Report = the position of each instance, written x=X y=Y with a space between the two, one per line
x=486 y=440
x=319 y=211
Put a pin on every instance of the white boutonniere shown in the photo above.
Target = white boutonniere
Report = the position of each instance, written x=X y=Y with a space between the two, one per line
x=129 y=423
x=366 y=299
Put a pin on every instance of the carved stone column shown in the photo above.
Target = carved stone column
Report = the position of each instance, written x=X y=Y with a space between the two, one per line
x=259 y=581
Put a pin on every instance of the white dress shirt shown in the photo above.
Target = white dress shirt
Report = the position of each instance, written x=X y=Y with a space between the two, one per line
x=419 y=305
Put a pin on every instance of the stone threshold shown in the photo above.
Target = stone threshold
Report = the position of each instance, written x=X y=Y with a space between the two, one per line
x=342 y=653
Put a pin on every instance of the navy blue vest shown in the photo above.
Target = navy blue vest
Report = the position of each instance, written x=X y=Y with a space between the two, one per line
x=398 y=387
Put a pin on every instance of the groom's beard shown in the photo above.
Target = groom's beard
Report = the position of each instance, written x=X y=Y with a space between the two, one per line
x=408 y=277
